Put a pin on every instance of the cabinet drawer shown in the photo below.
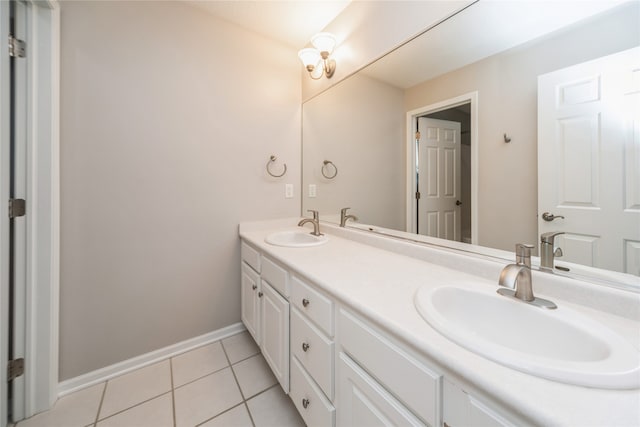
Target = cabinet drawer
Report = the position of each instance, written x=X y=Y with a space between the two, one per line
x=313 y=304
x=275 y=275
x=250 y=256
x=313 y=350
x=410 y=381
x=364 y=402
x=304 y=392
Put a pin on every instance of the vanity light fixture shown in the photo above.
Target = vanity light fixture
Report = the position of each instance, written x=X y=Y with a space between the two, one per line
x=316 y=59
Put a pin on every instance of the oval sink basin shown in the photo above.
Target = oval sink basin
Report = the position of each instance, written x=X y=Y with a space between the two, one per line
x=561 y=345
x=295 y=239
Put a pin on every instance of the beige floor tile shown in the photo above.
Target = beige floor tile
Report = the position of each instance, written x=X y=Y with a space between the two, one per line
x=76 y=409
x=240 y=346
x=236 y=417
x=274 y=408
x=205 y=398
x=157 y=412
x=136 y=387
x=254 y=376
x=198 y=363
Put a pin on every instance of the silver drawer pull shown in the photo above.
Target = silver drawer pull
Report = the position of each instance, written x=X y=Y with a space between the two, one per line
x=254 y=287
x=305 y=403
x=305 y=302
x=260 y=294
x=305 y=347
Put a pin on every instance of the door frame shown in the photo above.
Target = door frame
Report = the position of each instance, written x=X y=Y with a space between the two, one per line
x=43 y=206
x=411 y=184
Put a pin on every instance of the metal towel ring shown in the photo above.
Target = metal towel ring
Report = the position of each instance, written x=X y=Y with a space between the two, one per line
x=325 y=163
x=271 y=160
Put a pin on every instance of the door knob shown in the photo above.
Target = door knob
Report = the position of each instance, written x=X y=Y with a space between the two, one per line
x=550 y=217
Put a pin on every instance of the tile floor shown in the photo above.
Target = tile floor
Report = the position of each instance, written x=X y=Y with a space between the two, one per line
x=223 y=384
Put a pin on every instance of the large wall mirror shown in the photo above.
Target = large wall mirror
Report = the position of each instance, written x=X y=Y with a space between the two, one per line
x=442 y=136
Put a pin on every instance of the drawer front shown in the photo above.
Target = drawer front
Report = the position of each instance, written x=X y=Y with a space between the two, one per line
x=275 y=275
x=315 y=409
x=313 y=304
x=250 y=256
x=417 y=386
x=313 y=350
x=364 y=402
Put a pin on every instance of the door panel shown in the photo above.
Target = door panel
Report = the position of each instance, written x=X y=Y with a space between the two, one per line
x=589 y=160
x=439 y=178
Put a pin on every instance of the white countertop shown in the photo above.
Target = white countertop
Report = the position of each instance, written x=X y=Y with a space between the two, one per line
x=381 y=285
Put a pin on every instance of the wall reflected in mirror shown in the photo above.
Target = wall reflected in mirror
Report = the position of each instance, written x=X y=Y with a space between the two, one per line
x=492 y=49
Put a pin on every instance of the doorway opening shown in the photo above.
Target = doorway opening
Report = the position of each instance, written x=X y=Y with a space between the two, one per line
x=442 y=165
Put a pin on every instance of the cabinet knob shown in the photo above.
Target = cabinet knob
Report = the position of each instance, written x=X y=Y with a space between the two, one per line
x=305 y=403
x=254 y=287
x=305 y=347
x=305 y=302
x=260 y=294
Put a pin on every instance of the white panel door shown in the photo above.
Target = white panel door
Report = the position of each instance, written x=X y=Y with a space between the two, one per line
x=274 y=332
x=439 y=181
x=589 y=160
x=249 y=301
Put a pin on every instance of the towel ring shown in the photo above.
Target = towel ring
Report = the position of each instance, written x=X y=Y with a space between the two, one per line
x=325 y=163
x=271 y=160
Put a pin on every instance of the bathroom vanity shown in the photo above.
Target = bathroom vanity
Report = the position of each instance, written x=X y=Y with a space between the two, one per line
x=337 y=323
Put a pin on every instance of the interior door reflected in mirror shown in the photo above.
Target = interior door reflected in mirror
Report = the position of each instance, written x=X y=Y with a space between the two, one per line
x=390 y=174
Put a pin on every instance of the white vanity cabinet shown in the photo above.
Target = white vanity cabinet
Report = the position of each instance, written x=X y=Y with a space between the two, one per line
x=265 y=309
x=379 y=380
x=340 y=368
x=463 y=409
x=312 y=354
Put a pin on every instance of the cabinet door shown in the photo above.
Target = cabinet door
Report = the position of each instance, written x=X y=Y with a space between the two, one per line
x=250 y=302
x=462 y=409
x=274 y=332
x=364 y=402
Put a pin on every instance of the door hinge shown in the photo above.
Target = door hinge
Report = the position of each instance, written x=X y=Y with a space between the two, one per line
x=15 y=368
x=417 y=134
x=17 y=47
x=417 y=195
x=17 y=207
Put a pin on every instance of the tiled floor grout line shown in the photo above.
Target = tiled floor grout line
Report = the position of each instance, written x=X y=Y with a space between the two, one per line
x=204 y=376
x=173 y=395
x=104 y=391
x=134 y=406
x=238 y=384
x=221 y=413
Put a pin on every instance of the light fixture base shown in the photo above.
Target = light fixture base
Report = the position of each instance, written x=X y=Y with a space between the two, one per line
x=329 y=67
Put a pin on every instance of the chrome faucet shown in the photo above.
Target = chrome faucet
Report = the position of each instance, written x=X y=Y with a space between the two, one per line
x=315 y=221
x=344 y=217
x=518 y=276
x=547 y=251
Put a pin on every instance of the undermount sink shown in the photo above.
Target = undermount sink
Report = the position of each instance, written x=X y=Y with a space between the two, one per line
x=561 y=345
x=295 y=239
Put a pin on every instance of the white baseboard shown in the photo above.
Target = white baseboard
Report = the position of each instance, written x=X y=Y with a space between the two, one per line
x=112 y=371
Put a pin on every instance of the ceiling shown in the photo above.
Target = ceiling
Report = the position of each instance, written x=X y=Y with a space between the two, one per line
x=291 y=22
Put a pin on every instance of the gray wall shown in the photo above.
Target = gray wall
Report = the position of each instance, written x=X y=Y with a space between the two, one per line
x=359 y=125
x=168 y=117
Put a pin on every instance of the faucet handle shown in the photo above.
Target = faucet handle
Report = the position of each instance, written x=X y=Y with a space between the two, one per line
x=315 y=214
x=343 y=211
x=549 y=236
x=523 y=254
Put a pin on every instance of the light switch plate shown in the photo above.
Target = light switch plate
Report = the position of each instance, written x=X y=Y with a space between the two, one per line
x=312 y=190
x=288 y=191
